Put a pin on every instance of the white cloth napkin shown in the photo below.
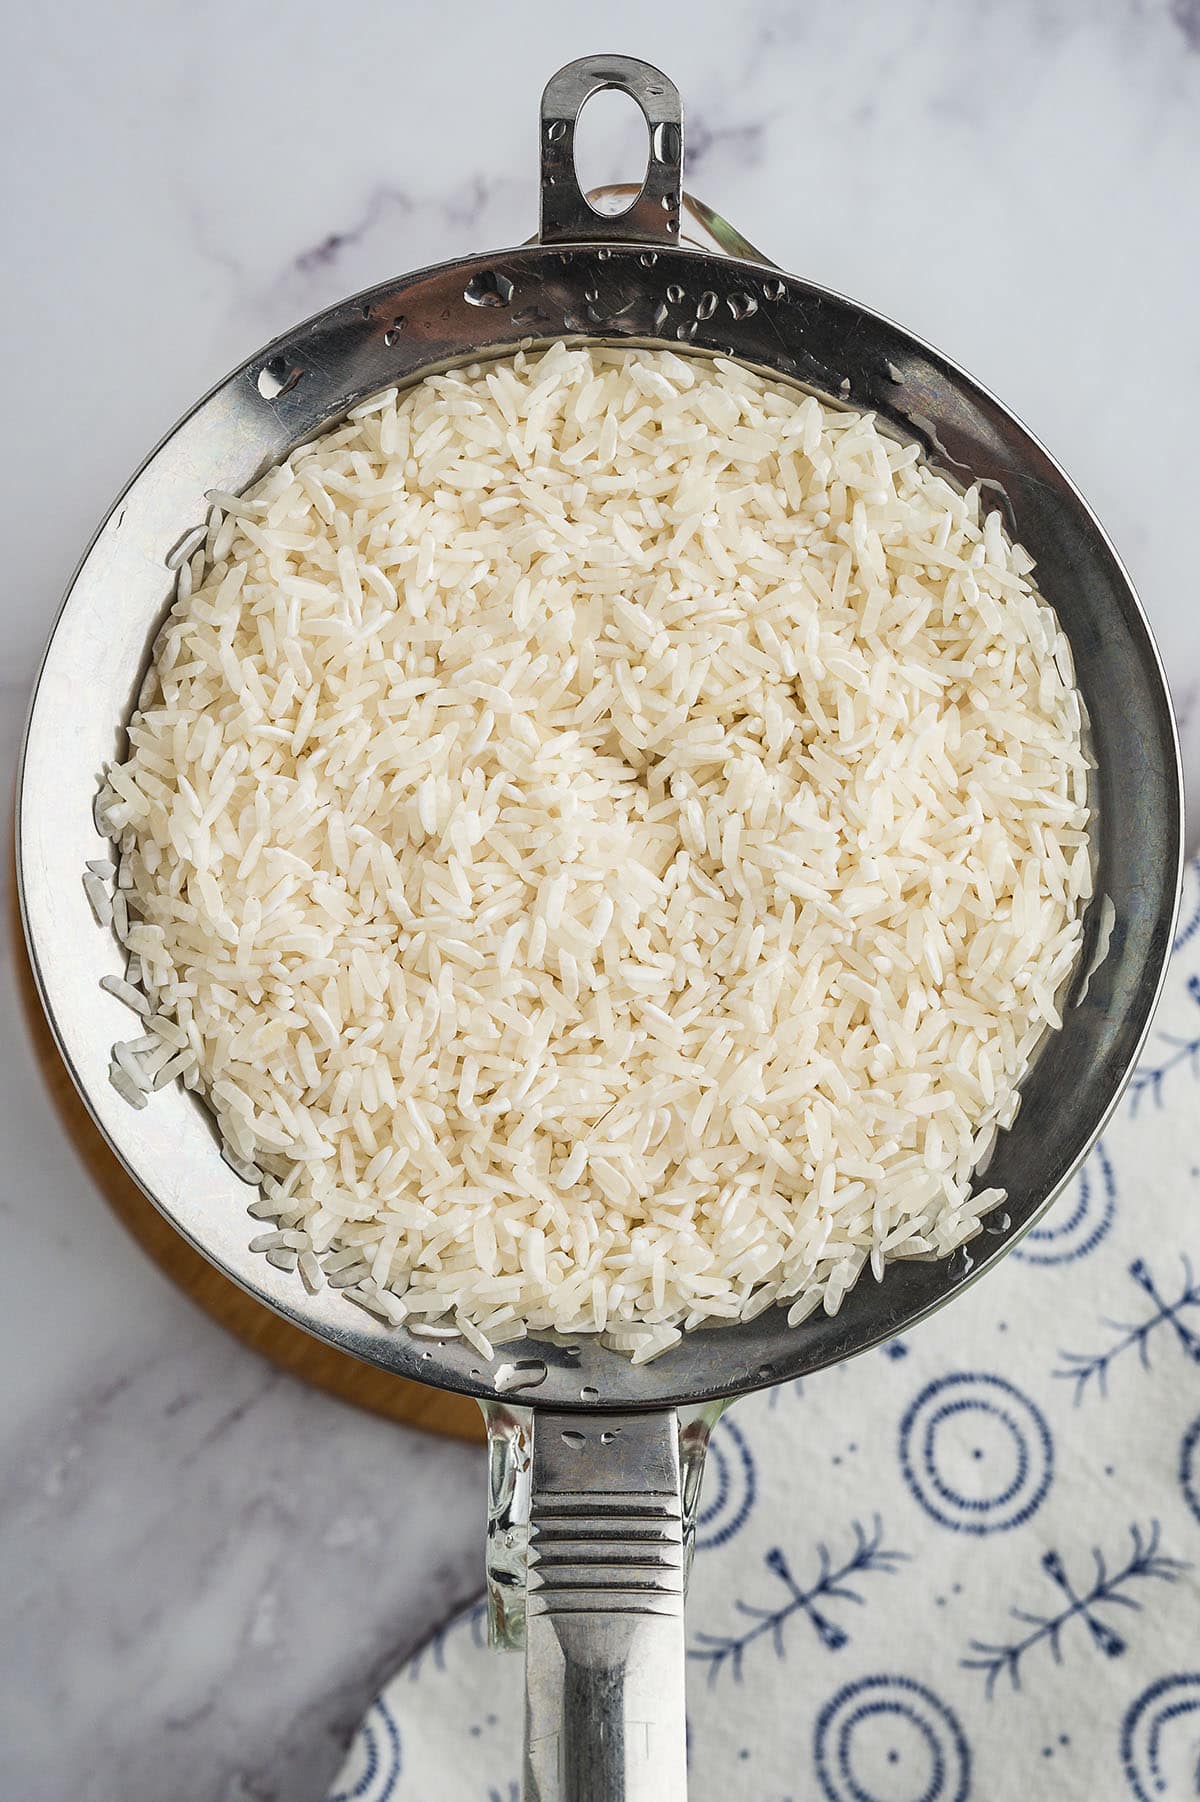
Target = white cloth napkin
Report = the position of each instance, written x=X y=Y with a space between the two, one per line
x=964 y=1566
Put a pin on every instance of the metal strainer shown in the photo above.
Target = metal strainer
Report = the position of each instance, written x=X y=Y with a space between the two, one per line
x=596 y=1471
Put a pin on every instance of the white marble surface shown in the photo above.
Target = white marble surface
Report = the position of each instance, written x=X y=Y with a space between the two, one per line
x=204 y=1568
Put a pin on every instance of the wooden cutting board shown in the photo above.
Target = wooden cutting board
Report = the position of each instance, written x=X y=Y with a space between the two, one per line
x=285 y=1345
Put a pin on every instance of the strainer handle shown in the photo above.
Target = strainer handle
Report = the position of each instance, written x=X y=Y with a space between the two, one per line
x=604 y=1645
x=653 y=216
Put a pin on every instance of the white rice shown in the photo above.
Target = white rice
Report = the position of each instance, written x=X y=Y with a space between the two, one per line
x=99 y=896
x=605 y=833
x=124 y=991
x=310 y=1270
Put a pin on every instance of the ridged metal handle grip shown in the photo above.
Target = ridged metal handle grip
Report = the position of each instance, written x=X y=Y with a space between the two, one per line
x=604 y=1646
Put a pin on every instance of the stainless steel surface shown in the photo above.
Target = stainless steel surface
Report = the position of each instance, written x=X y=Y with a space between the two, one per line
x=653 y=211
x=717 y=232
x=604 y=1698
x=603 y=278
x=510 y=1466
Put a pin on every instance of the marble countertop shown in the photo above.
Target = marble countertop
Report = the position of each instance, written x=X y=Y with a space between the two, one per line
x=206 y=1568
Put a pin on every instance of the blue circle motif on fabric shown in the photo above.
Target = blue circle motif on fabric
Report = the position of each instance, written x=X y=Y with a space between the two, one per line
x=1158 y=1739
x=1079 y=1219
x=376 y=1762
x=730 y=1487
x=1189 y=1467
x=976 y=1453
x=890 y=1739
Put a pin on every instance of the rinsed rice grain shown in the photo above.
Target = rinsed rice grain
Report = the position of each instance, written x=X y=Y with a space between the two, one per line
x=125 y=992
x=268 y=1241
x=605 y=833
x=310 y=1270
x=99 y=896
x=347 y=1278
x=132 y=1092
x=383 y=1306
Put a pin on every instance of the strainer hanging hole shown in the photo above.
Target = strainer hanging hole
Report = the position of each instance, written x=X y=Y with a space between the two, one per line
x=568 y=214
x=490 y=288
x=278 y=376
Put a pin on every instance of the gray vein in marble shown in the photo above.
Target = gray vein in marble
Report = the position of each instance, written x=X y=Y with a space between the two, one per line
x=238 y=1515
x=1186 y=14
x=740 y=145
x=207 y=241
x=393 y=230
x=384 y=201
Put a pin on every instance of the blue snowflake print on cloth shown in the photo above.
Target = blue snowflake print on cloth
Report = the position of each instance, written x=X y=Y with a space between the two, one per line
x=730 y=1487
x=1079 y=1220
x=890 y=1739
x=1085 y=1368
x=1171 y=1053
x=1160 y=1740
x=976 y=1453
x=815 y=1602
x=1104 y=1589
x=373 y=1769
